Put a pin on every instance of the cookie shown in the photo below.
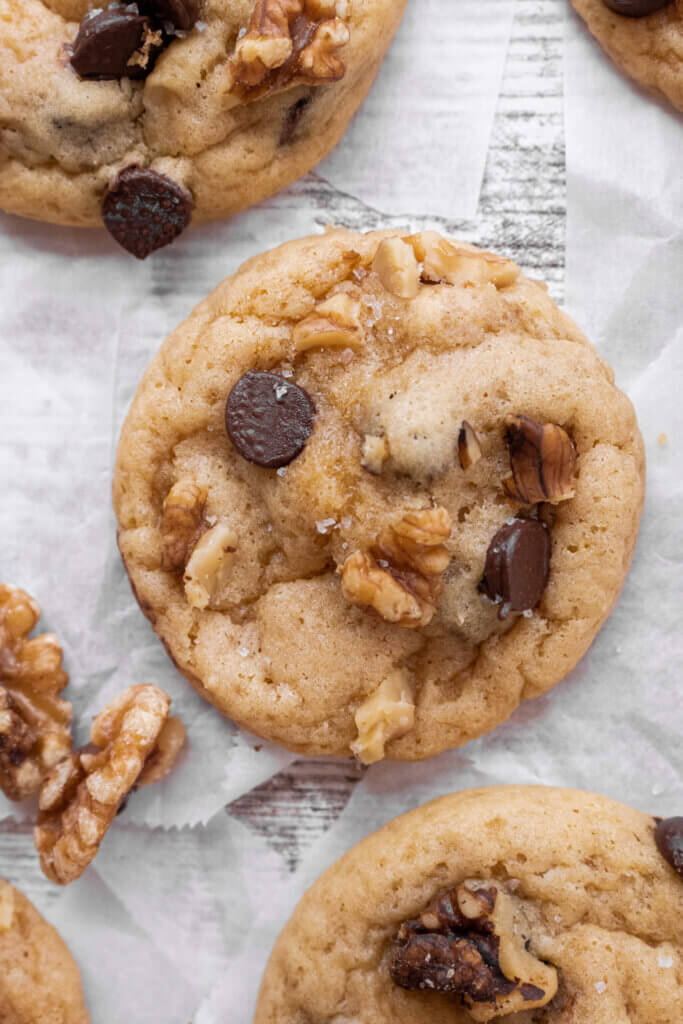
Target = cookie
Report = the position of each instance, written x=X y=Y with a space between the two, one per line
x=548 y=904
x=377 y=490
x=645 y=39
x=39 y=981
x=146 y=117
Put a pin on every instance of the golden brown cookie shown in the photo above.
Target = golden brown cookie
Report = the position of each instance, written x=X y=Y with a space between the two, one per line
x=39 y=981
x=375 y=491
x=180 y=109
x=528 y=904
x=644 y=37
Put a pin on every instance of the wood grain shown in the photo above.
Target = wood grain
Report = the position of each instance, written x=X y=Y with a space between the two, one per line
x=522 y=215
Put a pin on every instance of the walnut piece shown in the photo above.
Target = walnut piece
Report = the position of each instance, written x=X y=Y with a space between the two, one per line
x=334 y=323
x=209 y=562
x=83 y=793
x=375 y=453
x=469 y=449
x=400 y=575
x=397 y=268
x=288 y=42
x=466 y=944
x=181 y=523
x=442 y=261
x=35 y=723
x=543 y=462
x=387 y=714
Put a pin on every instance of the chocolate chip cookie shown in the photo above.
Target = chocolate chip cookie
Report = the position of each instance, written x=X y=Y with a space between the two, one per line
x=39 y=981
x=376 y=491
x=148 y=115
x=644 y=37
x=548 y=904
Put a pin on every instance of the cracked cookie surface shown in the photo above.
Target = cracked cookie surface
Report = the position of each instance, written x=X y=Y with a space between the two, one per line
x=648 y=48
x=335 y=602
x=593 y=918
x=39 y=981
x=64 y=138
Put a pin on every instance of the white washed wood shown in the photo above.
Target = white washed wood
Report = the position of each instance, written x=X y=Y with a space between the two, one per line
x=522 y=214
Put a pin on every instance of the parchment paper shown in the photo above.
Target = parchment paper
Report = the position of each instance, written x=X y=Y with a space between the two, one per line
x=176 y=925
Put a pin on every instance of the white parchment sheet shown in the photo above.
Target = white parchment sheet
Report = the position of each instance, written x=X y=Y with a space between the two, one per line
x=172 y=926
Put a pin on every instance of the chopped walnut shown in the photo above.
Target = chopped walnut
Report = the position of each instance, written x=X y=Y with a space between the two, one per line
x=181 y=523
x=397 y=268
x=83 y=793
x=386 y=715
x=209 y=562
x=442 y=261
x=375 y=453
x=543 y=462
x=466 y=944
x=288 y=42
x=469 y=448
x=400 y=575
x=334 y=323
x=35 y=723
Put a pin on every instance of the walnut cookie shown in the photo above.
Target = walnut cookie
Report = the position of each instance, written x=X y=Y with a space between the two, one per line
x=530 y=904
x=39 y=981
x=376 y=491
x=644 y=38
x=150 y=114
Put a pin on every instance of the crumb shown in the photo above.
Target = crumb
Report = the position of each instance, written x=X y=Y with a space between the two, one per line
x=662 y=440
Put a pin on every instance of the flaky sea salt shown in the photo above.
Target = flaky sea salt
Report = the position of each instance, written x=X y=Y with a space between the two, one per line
x=243 y=652
x=664 y=960
x=600 y=987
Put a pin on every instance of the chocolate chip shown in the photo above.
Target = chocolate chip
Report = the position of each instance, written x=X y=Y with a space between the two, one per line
x=517 y=565
x=144 y=210
x=669 y=839
x=268 y=419
x=181 y=13
x=292 y=118
x=636 y=8
x=106 y=42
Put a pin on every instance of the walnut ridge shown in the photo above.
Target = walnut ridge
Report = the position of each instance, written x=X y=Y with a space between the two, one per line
x=35 y=722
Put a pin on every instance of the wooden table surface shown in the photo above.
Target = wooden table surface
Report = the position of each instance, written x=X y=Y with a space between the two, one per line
x=521 y=214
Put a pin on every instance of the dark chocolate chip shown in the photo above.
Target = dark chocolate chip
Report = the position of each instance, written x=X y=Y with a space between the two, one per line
x=292 y=118
x=268 y=419
x=517 y=565
x=106 y=42
x=636 y=8
x=181 y=13
x=144 y=210
x=669 y=839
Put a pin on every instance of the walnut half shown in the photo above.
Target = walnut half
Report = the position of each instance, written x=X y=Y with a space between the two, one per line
x=466 y=944
x=400 y=575
x=133 y=743
x=288 y=42
x=35 y=723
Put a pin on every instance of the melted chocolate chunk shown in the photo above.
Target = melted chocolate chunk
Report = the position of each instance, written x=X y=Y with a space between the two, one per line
x=636 y=8
x=669 y=839
x=144 y=210
x=268 y=419
x=446 y=963
x=292 y=118
x=106 y=42
x=181 y=13
x=517 y=565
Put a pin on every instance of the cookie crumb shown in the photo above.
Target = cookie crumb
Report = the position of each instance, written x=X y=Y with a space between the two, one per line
x=663 y=440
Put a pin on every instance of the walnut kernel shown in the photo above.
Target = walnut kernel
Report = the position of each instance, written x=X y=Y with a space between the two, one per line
x=543 y=462
x=400 y=575
x=442 y=261
x=35 y=723
x=397 y=268
x=334 y=323
x=181 y=522
x=469 y=448
x=83 y=793
x=208 y=564
x=386 y=715
x=288 y=42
